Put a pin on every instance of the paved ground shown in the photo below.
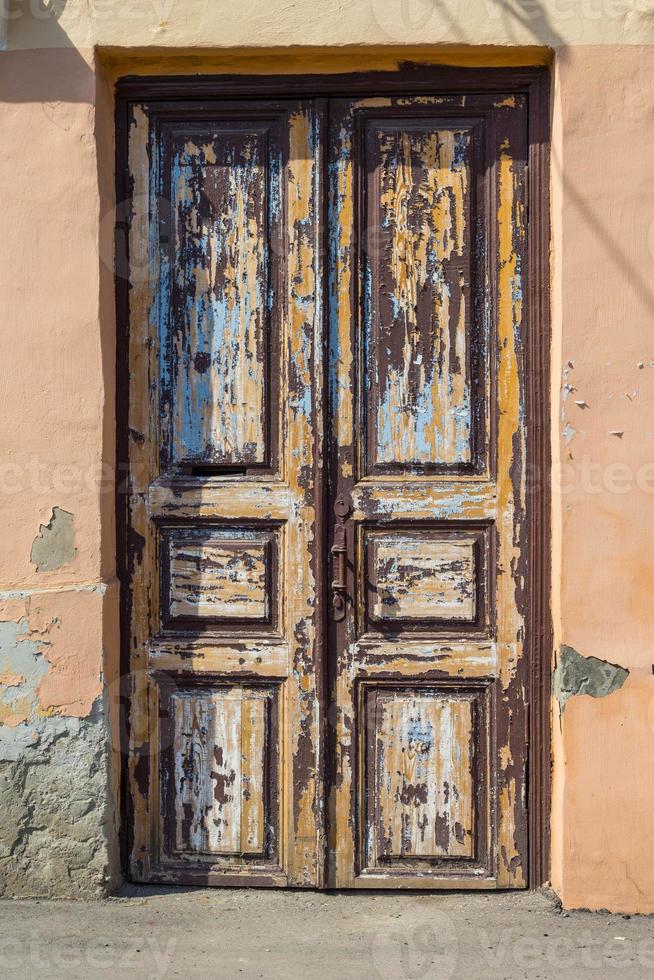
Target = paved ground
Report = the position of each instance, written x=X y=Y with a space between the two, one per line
x=193 y=933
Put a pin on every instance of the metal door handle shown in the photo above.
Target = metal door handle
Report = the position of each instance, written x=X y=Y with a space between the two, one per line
x=339 y=556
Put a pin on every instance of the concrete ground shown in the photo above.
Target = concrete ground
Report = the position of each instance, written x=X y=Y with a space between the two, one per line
x=170 y=932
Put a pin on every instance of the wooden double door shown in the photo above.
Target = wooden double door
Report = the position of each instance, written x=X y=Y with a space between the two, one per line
x=325 y=586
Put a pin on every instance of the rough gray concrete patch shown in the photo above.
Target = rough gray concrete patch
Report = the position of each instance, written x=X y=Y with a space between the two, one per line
x=56 y=834
x=55 y=812
x=54 y=545
x=575 y=674
x=285 y=935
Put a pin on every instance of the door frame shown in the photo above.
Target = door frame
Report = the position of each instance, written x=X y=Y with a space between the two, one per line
x=410 y=79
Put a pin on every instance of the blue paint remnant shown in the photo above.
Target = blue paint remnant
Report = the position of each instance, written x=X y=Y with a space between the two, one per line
x=334 y=283
x=420 y=734
x=220 y=320
x=20 y=655
x=420 y=418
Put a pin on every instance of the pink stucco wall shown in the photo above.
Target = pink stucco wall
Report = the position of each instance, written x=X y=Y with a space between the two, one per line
x=57 y=416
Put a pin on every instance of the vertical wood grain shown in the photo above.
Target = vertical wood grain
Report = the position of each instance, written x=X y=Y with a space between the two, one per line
x=220 y=749
x=255 y=736
x=225 y=378
x=428 y=242
x=217 y=365
x=421 y=191
x=423 y=777
x=417 y=293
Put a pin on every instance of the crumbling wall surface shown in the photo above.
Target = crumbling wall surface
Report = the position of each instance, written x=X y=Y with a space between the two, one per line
x=57 y=831
x=53 y=782
x=53 y=805
x=58 y=597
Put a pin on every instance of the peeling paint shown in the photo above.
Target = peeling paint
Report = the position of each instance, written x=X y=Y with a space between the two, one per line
x=417 y=390
x=56 y=811
x=53 y=628
x=576 y=674
x=54 y=545
x=223 y=339
x=213 y=353
x=7 y=679
x=220 y=575
x=417 y=348
x=569 y=433
x=56 y=814
x=417 y=290
x=21 y=658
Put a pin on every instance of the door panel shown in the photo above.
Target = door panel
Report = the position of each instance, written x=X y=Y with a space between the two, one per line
x=417 y=192
x=421 y=580
x=225 y=437
x=422 y=772
x=220 y=771
x=427 y=440
x=224 y=277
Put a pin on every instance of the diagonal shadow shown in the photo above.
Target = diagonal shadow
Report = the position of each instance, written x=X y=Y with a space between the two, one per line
x=544 y=33
x=40 y=62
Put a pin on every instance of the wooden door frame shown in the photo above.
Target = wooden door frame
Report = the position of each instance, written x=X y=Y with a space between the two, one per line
x=410 y=79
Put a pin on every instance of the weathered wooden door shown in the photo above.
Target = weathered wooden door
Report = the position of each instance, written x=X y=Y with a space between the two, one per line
x=427 y=450
x=224 y=453
x=327 y=681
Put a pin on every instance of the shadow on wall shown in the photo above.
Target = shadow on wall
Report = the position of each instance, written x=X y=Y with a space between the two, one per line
x=540 y=26
x=537 y=22
x=40 y=63
x=543 y=31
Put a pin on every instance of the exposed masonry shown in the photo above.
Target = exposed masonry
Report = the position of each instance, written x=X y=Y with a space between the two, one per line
x=54 y=545
x=575 y=674
x=55 y=808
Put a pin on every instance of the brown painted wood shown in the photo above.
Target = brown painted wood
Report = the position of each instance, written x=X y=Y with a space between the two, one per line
x=410 y=78
x=194 y=492
x=539 y=637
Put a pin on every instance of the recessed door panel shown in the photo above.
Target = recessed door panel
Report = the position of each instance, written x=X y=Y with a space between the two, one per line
x=219 y=773
x=219 y=577
x=421 y=397
x=424 y=579
x=222 y=262
x=425 y=774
